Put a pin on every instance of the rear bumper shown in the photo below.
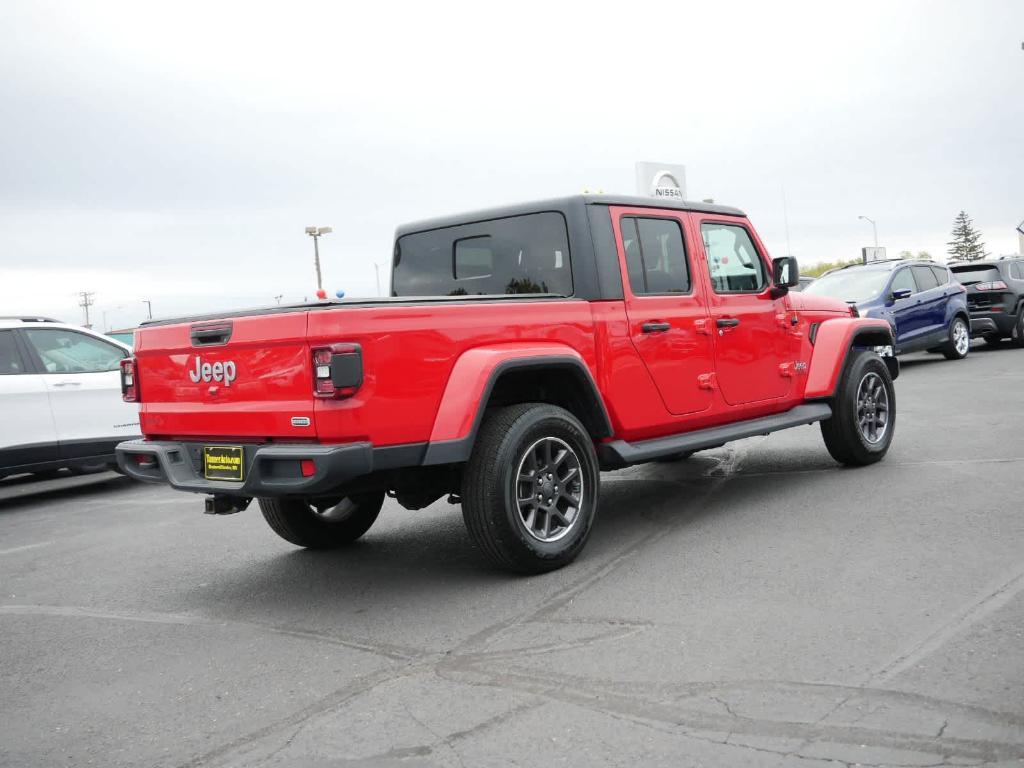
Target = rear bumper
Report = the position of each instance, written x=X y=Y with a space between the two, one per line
x=992 y=322
x=270 y=470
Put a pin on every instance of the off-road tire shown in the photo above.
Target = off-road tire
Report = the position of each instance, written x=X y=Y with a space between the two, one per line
x=950 y=350
x=491 y=487
x=843 y=434
x=297 y=521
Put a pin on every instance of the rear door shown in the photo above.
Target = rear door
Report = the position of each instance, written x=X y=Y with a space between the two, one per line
x=28 y=435
x=82 y=377
x=749 y=321
x=243 y=377
x=665 y=305
x=931 y=300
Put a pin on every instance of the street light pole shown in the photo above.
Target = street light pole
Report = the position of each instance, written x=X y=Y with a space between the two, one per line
x=874 y=227
x=315 y=233
x=376 y=269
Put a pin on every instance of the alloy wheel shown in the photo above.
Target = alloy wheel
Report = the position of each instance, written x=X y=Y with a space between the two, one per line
x=549 y=489
x=872 y=408
x=961 y=337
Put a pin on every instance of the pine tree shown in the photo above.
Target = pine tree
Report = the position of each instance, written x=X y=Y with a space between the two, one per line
x=966 y=244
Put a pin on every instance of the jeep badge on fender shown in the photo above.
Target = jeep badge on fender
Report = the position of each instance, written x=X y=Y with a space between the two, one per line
x=208 y=372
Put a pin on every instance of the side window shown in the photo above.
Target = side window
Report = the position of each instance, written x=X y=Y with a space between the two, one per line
x=10 y=358
x=1017 y=270
x=734 y=263
x=941 y=274
x=904 y=281
x=655 y=255
x=63 y=351
x=514 y=254
x=925 y=278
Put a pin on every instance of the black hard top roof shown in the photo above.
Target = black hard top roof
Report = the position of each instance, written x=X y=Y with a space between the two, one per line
x=560 y=203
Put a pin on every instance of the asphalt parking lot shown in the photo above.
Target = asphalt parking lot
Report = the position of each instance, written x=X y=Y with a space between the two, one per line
x=755 y=605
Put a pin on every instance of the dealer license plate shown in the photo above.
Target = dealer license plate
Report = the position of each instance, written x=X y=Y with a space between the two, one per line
x=223 y=462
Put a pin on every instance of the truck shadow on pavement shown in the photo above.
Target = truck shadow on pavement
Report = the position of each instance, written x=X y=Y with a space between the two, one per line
x=22 y=491
x=415 y=553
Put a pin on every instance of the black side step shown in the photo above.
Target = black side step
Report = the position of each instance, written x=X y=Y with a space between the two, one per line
x=619 y=453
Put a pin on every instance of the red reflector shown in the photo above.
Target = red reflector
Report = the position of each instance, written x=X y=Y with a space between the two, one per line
x=144 y=460
x=308 y=467
x=324 y=387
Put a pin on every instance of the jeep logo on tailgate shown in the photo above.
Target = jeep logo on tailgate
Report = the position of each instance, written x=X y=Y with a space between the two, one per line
x=225 y=372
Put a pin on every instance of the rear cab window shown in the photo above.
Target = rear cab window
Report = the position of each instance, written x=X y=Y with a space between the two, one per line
x=734 y=264
x=526 y=254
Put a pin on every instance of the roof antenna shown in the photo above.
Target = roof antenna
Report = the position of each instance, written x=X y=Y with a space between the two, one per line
x=785 y=219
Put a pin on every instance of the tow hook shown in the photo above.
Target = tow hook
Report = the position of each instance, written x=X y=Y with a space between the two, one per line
x=219 y=504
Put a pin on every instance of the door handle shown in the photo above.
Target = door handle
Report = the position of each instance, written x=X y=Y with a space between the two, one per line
x=727 y=322
x=655 y=327
x=67 y=384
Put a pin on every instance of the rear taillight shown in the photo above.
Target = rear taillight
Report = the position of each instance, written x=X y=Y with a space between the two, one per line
x=129 y=381
x=337 y=370
x=995 y=285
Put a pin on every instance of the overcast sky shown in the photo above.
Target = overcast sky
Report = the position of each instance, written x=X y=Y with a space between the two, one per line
x=176 y=151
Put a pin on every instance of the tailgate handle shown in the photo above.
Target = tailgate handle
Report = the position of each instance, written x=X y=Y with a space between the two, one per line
x=210 y=335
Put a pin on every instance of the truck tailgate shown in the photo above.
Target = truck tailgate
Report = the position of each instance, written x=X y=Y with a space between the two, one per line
x=251 y=376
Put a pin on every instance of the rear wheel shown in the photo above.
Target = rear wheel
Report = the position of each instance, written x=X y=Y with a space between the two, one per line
x=530 y=489
x=863 y=413
x=959 y=343
x=1018 y=328
x=322 y=524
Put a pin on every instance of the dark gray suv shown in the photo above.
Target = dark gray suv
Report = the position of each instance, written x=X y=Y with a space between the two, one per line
x=995 y=298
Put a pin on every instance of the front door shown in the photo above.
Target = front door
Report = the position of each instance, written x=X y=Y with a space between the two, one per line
x=27 y=434
x=83 y=379
x=665 y=306
x=905 y=311
x=752 y=342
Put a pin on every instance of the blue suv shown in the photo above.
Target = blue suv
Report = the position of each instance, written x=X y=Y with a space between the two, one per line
x=925 y=306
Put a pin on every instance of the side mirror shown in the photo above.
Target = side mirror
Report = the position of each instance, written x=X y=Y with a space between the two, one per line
x=785 y=272
x=902 y=293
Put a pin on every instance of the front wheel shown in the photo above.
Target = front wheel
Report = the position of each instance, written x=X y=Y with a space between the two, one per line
x=530 y=489
x=322 y=523
x=959 y=343
x=863 y=413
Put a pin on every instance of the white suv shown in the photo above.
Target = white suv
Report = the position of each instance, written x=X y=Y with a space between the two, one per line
x=60 y=397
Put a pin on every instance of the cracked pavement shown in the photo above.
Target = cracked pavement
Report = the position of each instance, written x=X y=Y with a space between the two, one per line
x=756 y=605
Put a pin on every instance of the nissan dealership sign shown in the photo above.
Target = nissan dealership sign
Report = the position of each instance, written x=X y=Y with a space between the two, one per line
x=661 y=180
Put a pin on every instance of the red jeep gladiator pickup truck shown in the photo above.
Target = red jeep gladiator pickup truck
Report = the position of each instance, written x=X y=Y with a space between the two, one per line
x=522 y=351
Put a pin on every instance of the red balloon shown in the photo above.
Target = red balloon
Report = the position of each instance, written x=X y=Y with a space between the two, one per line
x=321 y=294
